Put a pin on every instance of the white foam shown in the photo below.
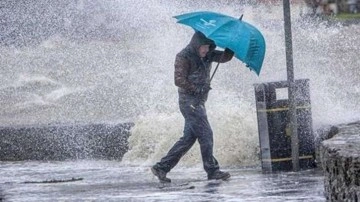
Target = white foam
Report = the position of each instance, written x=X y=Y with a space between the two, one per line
x=131 y=77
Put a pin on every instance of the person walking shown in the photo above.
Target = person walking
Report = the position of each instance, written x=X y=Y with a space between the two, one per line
x=192 y=77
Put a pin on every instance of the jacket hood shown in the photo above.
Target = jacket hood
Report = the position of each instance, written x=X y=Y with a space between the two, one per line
x=199 y=39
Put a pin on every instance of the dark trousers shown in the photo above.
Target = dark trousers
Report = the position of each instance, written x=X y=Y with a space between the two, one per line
x=196 y=127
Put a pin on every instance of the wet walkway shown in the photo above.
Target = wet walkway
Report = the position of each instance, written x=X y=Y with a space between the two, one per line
x=111 y=181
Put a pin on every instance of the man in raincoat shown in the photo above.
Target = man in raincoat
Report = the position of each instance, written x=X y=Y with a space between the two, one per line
x=192 y=76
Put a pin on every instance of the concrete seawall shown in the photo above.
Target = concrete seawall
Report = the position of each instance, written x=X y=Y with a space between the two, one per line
x=340 y=159
x=64 y=142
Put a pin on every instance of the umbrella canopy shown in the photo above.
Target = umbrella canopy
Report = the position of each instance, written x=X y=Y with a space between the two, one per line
x=244 y=39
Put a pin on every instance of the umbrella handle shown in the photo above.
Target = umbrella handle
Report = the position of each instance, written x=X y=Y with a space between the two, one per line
x=241 y=17
x=212 y=76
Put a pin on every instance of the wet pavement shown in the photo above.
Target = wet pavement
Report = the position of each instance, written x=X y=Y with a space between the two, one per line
x=112 y=181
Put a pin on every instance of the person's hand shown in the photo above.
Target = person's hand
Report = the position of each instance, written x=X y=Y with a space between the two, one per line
x=202 y=89
x=206 y=88
x=229 y=50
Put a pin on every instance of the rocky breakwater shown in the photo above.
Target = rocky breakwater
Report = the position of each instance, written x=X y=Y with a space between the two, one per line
x=340 y=159
x=64 y=141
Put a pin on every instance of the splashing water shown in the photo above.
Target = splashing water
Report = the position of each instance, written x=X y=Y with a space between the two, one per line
x=113 y=62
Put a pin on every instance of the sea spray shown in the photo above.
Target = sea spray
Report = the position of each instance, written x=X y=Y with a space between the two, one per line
x=97 y=61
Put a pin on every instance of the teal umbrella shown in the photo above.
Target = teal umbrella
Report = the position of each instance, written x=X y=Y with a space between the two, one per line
x=244 y=39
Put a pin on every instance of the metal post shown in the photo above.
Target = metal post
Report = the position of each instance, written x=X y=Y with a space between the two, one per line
x=291 y=88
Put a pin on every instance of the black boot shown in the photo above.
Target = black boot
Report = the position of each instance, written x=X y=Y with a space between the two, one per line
x=160 y=174
x=219 y=175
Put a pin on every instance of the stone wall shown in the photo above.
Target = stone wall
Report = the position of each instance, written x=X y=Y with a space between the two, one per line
x=340 y=159
x=64 y=141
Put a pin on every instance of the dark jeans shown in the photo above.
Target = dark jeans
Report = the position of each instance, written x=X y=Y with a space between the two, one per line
x=197 y=127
